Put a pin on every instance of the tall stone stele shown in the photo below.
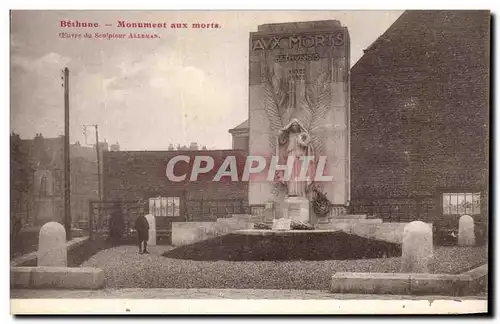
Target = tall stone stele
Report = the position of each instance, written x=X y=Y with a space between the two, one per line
x=299 y=106
x=52 y=246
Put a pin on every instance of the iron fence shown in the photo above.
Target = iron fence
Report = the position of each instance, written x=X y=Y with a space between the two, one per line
x=100 y=214
x=198 y=210
x=397 y=209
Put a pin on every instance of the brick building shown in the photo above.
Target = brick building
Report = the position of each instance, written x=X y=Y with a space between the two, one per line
x=42 y=196
x=419 y=118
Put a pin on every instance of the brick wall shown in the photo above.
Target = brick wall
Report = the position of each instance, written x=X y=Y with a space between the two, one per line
x=137 y=175
x=419 y=109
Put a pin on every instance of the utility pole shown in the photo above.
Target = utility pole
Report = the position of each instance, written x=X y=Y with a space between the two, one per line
x=67 y=174
x=99 y=186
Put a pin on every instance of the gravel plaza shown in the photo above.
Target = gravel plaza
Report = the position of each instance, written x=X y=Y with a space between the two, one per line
x=124 y=267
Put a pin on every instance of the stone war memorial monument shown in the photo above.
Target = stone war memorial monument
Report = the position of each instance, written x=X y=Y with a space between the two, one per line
x=299 y=112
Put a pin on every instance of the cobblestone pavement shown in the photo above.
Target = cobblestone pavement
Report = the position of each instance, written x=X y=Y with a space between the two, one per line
x=163 y=293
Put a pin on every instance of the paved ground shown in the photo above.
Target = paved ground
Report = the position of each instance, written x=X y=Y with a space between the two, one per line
x=234 y=301
x=124 y=267
x=160 y=293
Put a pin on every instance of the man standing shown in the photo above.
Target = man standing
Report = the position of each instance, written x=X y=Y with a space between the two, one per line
x=142 y=229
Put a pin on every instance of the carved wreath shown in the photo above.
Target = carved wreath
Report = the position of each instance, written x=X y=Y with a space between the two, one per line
x=317 y=101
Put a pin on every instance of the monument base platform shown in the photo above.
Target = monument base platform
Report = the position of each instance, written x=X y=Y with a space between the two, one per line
x=297 y=209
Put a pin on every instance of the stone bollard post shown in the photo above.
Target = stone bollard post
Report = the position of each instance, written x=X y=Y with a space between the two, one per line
x=417 y=247
x=52 y=246
x=466 y=236
x=152 y=229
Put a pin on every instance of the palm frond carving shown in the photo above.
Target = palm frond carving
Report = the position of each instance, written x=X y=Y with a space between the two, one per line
x=315 y=106
x=318 y=98
x=274 y=98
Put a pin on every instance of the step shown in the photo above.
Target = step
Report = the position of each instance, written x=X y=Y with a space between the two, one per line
x=228 y=225
x=351 y=216
x=340 y=226
x=357 y=221
x=224 y=220
x=347 y=224
x=231 y=220
x=241 y=216
x=257 y=219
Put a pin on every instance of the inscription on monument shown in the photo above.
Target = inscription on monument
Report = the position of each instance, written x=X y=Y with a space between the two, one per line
x=296 y=42
x=296 y=57
x=296 y=74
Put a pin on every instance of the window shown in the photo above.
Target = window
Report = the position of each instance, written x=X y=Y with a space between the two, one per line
x=43 y=186
x=57 y=183
x=462 y=203
x=164 y=206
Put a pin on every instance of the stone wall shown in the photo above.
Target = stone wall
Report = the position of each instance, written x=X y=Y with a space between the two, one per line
x=369 y=228
x=390 y=232
x=190 y=232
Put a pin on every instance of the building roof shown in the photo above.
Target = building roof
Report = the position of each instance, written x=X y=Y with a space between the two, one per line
x=422 y=31
x=241 y=127
x=48 y=153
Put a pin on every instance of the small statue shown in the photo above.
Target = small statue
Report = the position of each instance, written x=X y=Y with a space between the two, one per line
x=294 y=140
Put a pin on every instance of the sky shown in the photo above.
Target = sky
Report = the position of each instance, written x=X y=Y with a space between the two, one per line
x=189 y=85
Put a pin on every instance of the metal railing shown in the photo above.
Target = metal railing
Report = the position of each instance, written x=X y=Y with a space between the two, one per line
x=337 y=211
x=397 y=209
x=257 y=210
x=100 y=212
x=198 y=210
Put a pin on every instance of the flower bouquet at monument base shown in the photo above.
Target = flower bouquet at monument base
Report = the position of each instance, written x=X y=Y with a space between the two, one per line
x=261 y=225
x=320 y=203
x=298 y=225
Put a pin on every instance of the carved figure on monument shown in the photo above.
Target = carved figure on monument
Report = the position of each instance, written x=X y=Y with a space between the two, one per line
x=303 y=134
x=294 y=140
